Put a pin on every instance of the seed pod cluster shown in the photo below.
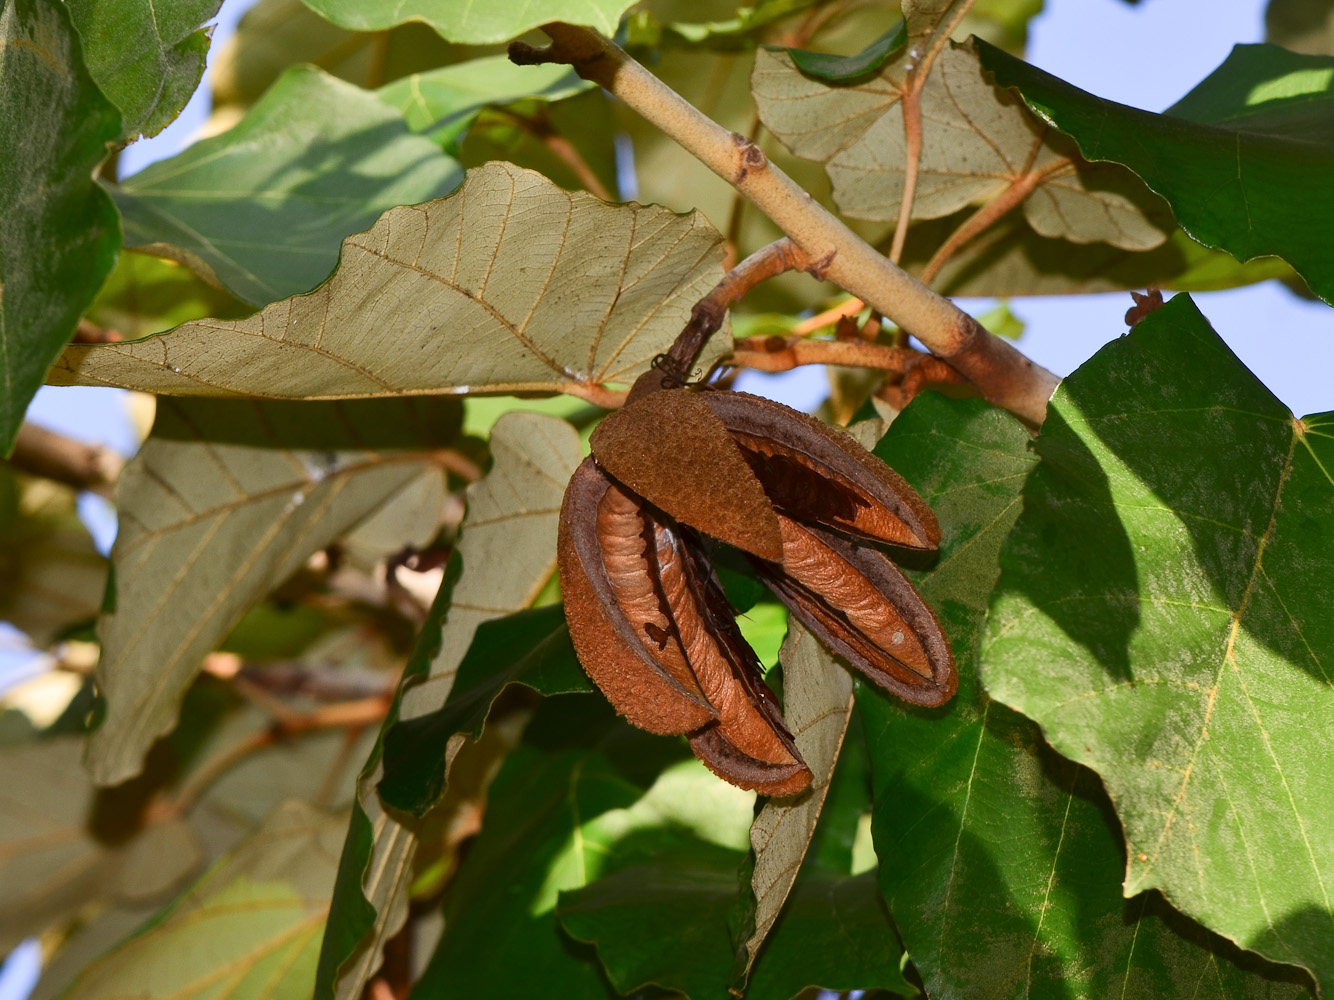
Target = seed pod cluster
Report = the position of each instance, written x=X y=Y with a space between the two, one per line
x=807 y=505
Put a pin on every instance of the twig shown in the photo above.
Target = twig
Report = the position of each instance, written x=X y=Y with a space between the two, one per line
x=707 y=314
x=781 y=354
x=1003 y=375
x=595 y=393
x=829 y=317
x=50 y=455
x=88 y=332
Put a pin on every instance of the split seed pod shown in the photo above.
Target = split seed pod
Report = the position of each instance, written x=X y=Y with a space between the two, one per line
x=646 y=611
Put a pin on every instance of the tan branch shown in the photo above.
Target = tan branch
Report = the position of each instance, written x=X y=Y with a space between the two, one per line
x=779 y=354
x=45 y=453
x=1003 y=375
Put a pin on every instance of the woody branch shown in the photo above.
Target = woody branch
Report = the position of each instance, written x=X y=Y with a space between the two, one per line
x=1003 y=375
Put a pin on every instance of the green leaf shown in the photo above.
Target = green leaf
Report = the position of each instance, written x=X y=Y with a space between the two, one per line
x=51 y=574
x=1162 y=576
x=250 y=927
x=261 y=208
x=224 y=501
x=471 y=293
x=559 y=805
x=846 y=69
x=58 y=229
x=274 y=35
x=1001 y=861
x=144 y=295
x=977 y=143
x=445 y=102
x=146 y=58
x=1242 y=159
x=509 y=534
x=530 y=648
x=473 y=23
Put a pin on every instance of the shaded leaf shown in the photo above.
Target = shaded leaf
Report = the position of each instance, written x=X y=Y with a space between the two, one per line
x=976 y=142
x=58 y=229
x=1301 y=26
x=817 y=702
x=52 y=861
x=510 y=531
x=1001 y=862
x=223 y=502
x=469 y=22
x=1242 y=158
x=445 y=102
x=584 y=794
x=509 y=285
x=1011 y=259
x=51 y=574
x=274 y=35
x=843 y=69
x=530 y=648
x=1161 y=574
x=250 y=927
x=147 y=59
x=262 y=208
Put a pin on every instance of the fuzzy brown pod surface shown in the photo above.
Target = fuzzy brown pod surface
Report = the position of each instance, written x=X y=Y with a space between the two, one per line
x=808 y=506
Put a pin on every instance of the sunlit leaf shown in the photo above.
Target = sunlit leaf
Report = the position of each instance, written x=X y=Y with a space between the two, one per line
x=58 y=229
x=225 y=500
x=1001 y=861
x=976 y=143
x=1162 y=574
x=509 y=285
x=1242 y=158
x=470 y=22
x=263 y=207
x=146 y=58
x=248 y=928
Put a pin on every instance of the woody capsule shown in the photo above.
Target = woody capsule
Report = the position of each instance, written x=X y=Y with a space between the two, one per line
x=807 y=505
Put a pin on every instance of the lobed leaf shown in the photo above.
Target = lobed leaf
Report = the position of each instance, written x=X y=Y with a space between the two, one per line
x=58 y=229
x=262 y=208
x=224 y=501
x=475 y=24
x=147 y=59
x=1242 y=159
x=976 y=143
x=1162 y=575
x=509 y=285
x=1001 y=861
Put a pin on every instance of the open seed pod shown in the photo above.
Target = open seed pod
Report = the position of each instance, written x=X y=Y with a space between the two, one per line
x=648 y=616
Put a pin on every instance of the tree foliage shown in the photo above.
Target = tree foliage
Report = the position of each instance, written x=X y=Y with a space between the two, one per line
x=329 y=733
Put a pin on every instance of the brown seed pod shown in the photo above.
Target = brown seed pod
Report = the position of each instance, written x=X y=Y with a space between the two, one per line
x=648 y=616
x=616 y=622
x=859 y=604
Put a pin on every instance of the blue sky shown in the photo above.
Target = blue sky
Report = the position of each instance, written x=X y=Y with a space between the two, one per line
x=1147 y=55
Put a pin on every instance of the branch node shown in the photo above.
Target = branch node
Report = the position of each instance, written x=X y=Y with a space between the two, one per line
x=523 y=54
x=752 y=157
